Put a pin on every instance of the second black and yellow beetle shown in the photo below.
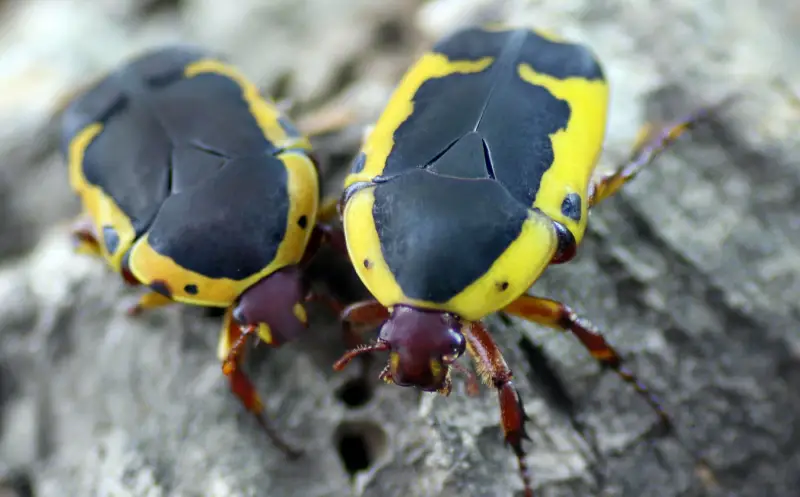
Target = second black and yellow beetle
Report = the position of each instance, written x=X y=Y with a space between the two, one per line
x=476 y=177
x=196 y=186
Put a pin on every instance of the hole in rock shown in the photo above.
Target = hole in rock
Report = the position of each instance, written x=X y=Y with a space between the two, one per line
x=17 y=484
x=359 y=445
x=355 y=393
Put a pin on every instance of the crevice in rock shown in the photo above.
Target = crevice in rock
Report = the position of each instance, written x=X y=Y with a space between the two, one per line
x=355 y=393
x=359 y=445
x=156 y=7
x=17 y=484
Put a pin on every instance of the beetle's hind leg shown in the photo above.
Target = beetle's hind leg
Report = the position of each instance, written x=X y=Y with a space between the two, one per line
x=146 y=301
x=652 y=140
x=331 y=118
x=84 y=236
x=558 y=316
x=233 y=337
x=494 y=372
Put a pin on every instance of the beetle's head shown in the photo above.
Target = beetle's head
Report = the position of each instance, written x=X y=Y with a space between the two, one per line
x=422 y=344
x=275 y=305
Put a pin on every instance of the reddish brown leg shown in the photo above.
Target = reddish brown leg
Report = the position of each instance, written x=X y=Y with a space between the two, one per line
x=324 y=234
x=85 y=237
x=231 y=352
x=560 y=317
x=361 y=317
x=652 y=141
x=334 y=237
x=494 y=371
x=473 y=387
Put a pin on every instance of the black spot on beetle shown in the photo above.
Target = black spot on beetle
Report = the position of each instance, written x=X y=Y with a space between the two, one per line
x=161 y=287
x=302 y=222
x=190 y=289
x=571 y=206
x=110 y=239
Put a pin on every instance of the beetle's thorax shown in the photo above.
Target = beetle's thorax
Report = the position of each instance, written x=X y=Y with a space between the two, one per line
x=422 y=344
x=277 y=302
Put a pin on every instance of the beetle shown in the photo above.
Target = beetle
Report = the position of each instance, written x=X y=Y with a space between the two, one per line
x=478 y=175
x=197 y=187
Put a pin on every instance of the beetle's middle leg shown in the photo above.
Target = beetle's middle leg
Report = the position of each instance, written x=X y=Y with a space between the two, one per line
x=558 y=316
x=494 y=372
x=146 y=301
x=230 y=352
x=651 y=142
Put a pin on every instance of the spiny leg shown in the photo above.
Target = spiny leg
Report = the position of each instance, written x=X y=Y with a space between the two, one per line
x=494 y=372
x=650 y=143
x=230 y=352
x=558 y=316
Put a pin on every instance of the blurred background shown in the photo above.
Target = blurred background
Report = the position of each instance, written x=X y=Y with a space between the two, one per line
x=693 y=271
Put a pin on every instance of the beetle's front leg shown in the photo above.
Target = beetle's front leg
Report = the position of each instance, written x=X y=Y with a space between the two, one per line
x=558 y=316
x=494 y=372
x=650 y=143
x=230 y=351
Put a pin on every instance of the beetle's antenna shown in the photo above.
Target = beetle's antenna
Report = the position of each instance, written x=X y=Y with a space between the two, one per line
x=360 y=350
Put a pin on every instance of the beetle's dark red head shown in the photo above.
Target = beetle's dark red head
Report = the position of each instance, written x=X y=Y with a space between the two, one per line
x=277 y=302
x=421 y=343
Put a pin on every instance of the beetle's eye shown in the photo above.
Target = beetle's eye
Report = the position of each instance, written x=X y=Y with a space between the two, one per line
x=457 y=347
x=566 y=244
x=449 y=358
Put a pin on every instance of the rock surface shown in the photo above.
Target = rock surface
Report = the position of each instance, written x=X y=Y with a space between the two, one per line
x=692 y=270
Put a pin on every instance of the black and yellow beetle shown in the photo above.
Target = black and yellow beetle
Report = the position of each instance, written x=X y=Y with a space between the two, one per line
x=196 y=186
x=476 y=177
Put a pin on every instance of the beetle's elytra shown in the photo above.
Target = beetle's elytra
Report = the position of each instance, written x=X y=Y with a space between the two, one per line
x=196 y=186
x=476 y=177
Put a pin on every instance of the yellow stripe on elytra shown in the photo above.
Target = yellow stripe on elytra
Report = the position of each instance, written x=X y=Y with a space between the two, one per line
x=519 y=266
x=302 y=182
x=380 y=141
x=266 y=113
x=576 y=149
x=102 y=209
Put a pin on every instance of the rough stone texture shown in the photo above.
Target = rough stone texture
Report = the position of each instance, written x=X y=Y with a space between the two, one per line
x=692 y=270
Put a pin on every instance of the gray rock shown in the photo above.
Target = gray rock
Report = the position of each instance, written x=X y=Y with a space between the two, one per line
x=692 y=270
